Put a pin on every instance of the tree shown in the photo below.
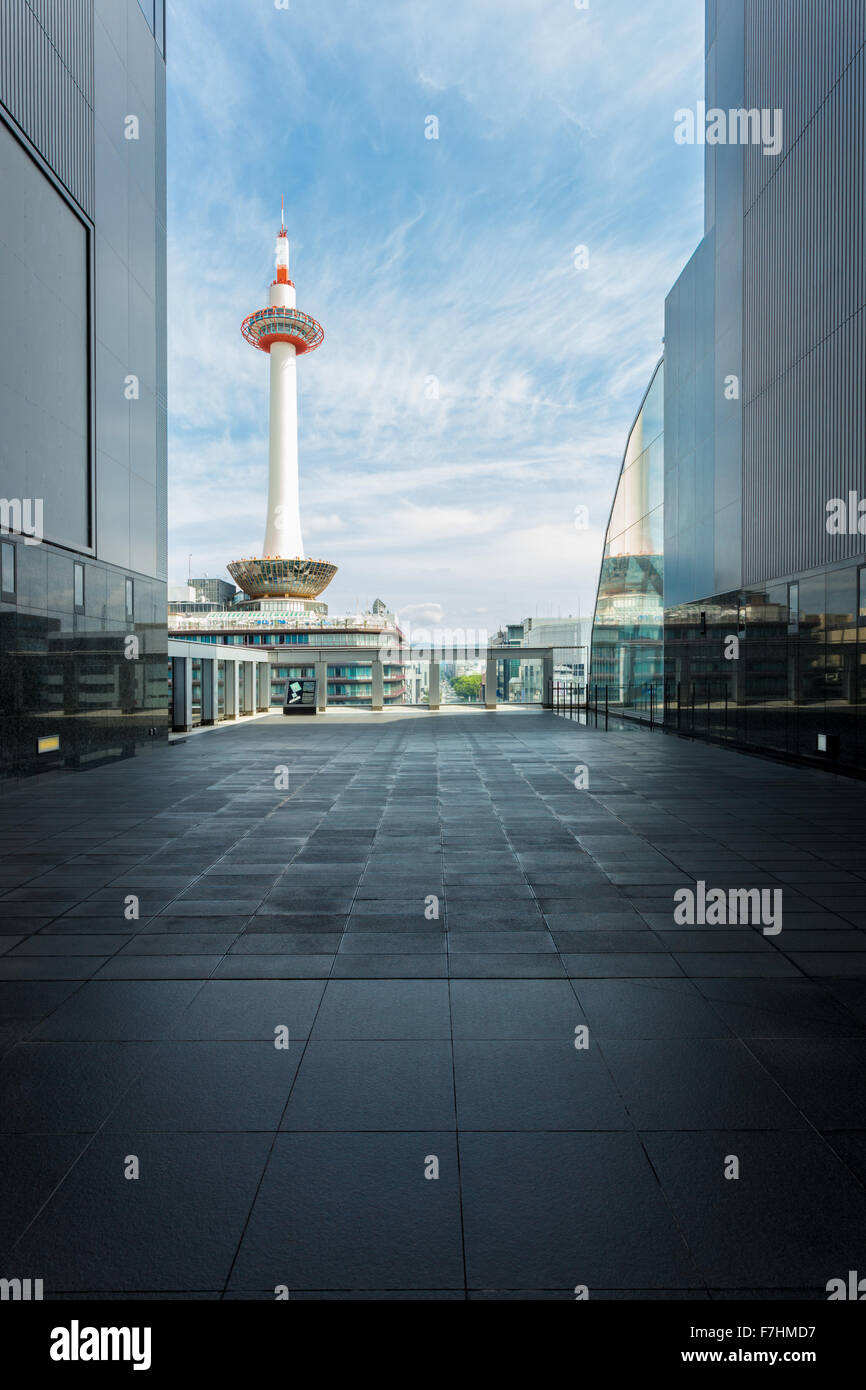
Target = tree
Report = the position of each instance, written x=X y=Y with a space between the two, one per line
x=468 y=687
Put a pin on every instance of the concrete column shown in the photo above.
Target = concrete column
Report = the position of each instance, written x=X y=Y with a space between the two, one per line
x=181 y=694
x=248 y=698
x=433 y=686
x=490 y=683
x=322 y=686
x=208 y=689
x=378 y=683
x=231 y=689
x=546 y=678
x=263 y=686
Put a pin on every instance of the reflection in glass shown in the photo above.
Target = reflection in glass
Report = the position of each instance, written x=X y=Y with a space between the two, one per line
x=627 y=632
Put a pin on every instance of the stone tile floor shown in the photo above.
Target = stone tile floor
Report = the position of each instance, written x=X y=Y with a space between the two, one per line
x=433 y=915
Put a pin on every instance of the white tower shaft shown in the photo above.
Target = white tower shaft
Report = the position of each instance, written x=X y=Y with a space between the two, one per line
x=283 y=530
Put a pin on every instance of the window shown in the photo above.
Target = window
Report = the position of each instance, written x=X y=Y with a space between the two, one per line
x=7 y=563
x=793 y=608
x=34 y=215
x=130 y=601
x=78 y=588
x=861 y=575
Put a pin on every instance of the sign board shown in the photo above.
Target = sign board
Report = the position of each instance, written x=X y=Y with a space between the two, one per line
x=300 y=696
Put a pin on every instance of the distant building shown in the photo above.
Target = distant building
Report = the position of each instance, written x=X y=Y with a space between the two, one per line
x=302 y=644
x=217 y=591
x=570 y=638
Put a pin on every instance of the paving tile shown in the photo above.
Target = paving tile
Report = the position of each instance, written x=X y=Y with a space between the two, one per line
x=648 y=1009
x=216 y=1086
x=373 y=1086
x=702 y=1083
x=550 y=1211
x=515 y=1009
x=528 y=1085
x=174 y=1228
x=505 y=965
x=625 y=965
x=405 y=1228
x=383 y=1009
x=764 y=1229
x=354 y=965
x=250 y=1009
x=119 y=1010
x=65 y=1087
x=32 y=1166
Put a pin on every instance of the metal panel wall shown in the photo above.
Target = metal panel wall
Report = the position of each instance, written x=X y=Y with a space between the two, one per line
x=46 y=84
x=804 y=292
x=795 y=52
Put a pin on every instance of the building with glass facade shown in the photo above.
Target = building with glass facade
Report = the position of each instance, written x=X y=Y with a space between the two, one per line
x=82 y=382
x=765 y=362
x=764 y=442
x=627 y=630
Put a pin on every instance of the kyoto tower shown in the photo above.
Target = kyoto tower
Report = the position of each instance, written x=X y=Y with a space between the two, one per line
x=285 y=333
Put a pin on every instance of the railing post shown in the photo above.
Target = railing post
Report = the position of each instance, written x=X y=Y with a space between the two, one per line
x=679 y=706
x=605 y=709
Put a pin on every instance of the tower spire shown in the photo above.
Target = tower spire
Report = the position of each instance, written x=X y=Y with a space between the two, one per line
x=282 y=257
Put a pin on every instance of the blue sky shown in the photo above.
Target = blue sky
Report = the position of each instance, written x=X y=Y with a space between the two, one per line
x=449 y=258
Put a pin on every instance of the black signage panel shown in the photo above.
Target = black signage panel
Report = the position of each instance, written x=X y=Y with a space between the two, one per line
x=300 y=696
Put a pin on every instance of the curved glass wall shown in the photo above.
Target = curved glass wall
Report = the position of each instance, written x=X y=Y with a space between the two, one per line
x=628 y=626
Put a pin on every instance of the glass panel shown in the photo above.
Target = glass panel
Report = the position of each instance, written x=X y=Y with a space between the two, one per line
x=8 y=568
x=627 y=646
x=45 y=428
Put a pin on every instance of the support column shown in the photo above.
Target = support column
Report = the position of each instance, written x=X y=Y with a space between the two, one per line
x=248 y=698
x=433 y=686
x=490 y=683
x=378 y=673
x=231 y=689
x=263 y=686
x=208 y=689
x=321 y=686
x=181 y=694
x=546 y=678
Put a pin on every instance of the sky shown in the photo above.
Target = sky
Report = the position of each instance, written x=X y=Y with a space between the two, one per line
x=477 y=379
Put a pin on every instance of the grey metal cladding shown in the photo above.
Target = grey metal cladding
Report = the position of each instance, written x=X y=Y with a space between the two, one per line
x=46 y=84
x=804 y=296
x=805 y=443
x=795 y=51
